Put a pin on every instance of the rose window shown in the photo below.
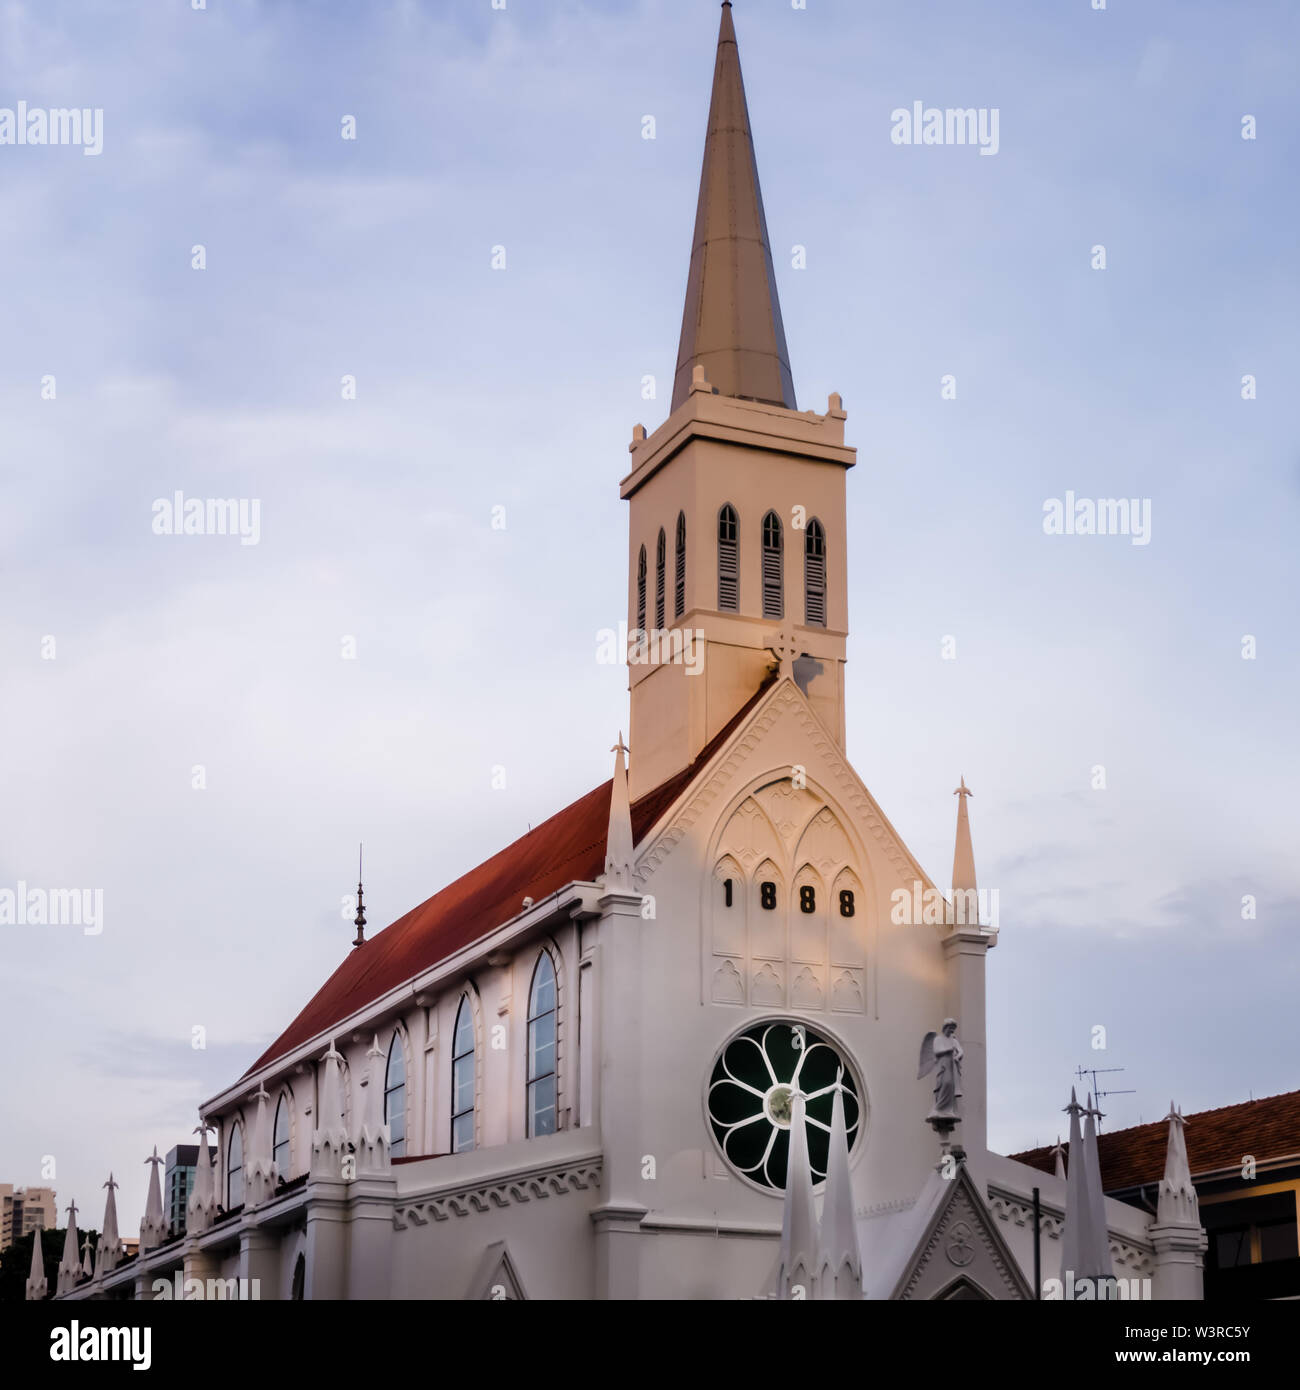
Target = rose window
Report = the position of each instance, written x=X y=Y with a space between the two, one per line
x=751 y=1095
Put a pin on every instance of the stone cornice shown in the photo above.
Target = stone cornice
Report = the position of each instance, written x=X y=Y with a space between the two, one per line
x=532 y=1184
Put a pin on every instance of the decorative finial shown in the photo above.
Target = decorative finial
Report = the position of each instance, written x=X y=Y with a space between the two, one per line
x=72 y=1212
x=963 y=790
x=360 y=918
x=620 y=746
x=110 y=1184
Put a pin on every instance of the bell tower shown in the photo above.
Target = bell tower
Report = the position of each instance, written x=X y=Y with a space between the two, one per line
x=737 y=554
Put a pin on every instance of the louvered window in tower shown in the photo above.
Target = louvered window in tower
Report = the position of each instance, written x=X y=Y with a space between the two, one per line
x=640 y=591
x=679 y=581
x=814 y=575
x=773 y=600
x=728 y=561
x=661 y=560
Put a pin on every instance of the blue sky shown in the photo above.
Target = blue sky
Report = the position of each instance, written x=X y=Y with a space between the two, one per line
x=481 y=388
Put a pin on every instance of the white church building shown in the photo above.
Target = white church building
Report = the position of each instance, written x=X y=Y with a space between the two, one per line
x=666 y=1044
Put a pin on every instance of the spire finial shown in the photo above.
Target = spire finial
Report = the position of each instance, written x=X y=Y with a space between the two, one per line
x=963 y=858
x=360 y=919
x=618 y=836
x=1058 y=1153
x=731 y=324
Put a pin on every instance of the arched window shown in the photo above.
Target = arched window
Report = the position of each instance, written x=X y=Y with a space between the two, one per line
x=462 y=1079
x=773 y=577
x=679 y=582
x=235 y=1169
x=299 y=1279
x=280 y=1143
x=728 y=560
x=541 y=1048
x=661 y=561
x=395 y=1096
x=814 y=575
x=640 y=591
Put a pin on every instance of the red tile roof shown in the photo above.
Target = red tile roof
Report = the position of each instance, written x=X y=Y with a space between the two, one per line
x=1267 y=1128
x=570 y=847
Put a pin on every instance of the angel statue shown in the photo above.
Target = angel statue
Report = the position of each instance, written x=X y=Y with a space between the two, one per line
x=942 y=1054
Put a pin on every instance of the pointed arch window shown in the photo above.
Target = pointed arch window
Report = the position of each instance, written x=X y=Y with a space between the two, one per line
x=462 y=1079
x=640 y=591
x=679 y=578
x=280 y=1140
x=814 y=575
x=542 y=1048
x=773 y=568
x=728 y=560
x=297 y=1292
x=661 y=563
x=395 y=1096
x=235 y=1169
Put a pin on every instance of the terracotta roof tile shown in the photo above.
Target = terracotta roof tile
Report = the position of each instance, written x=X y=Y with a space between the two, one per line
x=1268 y=1128
x=570 y=847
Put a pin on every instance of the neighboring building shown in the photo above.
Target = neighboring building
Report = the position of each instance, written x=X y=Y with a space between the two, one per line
x=178 y=1183
x=1245 y=1164
x=616 y=1059
x=24 y=1209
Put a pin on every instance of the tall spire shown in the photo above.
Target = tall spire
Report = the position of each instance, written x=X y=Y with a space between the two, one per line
x=202 y=1209
x=618 y=839
x=153 y=1229
x=796 y=1273
x=70 y=1265
x=963 y=859
x=1096 y=1199
x=38 y=1286
x=1076 y=1230
x=732 y=325
x=839 y=1259
x=109 y=1253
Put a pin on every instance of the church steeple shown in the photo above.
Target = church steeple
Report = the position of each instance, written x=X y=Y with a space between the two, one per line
x=738 y=558
x=732 y=325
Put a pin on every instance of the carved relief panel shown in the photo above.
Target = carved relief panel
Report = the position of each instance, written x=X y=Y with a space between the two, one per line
x=786 y=920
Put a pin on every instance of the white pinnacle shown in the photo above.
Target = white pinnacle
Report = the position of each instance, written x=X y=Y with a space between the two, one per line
x=618 y=838
x=839 y=1255
x=796 y=1270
